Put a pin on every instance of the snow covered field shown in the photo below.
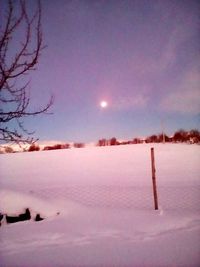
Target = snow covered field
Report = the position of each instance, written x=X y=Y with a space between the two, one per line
x=104 y=197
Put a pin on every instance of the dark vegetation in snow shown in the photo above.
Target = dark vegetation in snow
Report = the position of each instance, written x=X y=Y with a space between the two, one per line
x=19 y=217
x=57 y=146
x=33 y=147
x=38 y=218
x=1 y=218
x=79 y=145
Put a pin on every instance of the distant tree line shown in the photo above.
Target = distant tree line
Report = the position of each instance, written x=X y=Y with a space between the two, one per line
x=35 y=147
x=180 y=136
x=57 y=146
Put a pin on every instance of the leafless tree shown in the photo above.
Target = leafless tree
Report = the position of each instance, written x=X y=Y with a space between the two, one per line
x=18 y=57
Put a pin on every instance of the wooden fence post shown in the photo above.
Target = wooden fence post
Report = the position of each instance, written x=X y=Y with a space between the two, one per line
x=154 y=179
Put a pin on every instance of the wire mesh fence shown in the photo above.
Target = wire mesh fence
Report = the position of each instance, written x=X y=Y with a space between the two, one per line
x=126 y=197
x=115 y=178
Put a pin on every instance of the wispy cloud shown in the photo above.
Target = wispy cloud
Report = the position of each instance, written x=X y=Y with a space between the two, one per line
x=165 y=50
x=186 y=98
x=184 y=29
x=137 y=101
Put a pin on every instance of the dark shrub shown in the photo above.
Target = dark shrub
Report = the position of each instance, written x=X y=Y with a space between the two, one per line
x=21 y=217
x=152 y=139
x=136 y=141
x=114 y=142
x=181 y=136
x=163 y=138
x=79 y=145
x=38 y=218
x=194 y=136
x=66 y=146
x=57 y=146
x=1 y=218
x=8 y=149
x=47 y=148
x=33 y=147
x=101 y=142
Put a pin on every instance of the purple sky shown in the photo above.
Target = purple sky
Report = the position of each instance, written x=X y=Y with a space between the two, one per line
x=140 y=56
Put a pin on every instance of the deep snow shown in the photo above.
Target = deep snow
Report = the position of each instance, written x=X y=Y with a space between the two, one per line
x=104 y=196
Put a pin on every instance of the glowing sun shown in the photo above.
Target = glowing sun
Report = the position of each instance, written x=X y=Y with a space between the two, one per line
x=103 y=104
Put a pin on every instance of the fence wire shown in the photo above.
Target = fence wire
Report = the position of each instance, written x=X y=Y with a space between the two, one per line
x=126 y=197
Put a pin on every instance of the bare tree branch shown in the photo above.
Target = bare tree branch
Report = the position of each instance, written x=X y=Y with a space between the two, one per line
x=14 y=98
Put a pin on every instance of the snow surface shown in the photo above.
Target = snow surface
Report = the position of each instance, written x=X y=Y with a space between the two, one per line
x=104 y=197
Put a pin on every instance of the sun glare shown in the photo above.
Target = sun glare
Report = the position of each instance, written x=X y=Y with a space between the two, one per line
x=103 y=104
